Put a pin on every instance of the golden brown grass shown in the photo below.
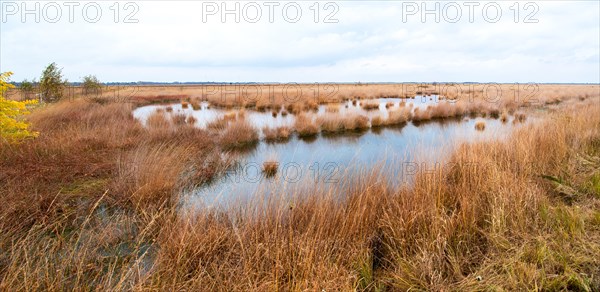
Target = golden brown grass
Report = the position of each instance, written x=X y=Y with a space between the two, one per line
x=239 y=133
x=230 y=116
x=83 y=149
x=330 y=123
x=295 y=108
x=305 y=126
x=93 y=203
x=337 y=123
x=332 y=108
x=377 y=121
x=422 y=115
x=480 y=125
x=370 y=105
x=356 y=122
x=273 y=96
x=157 y=120
x=191 y=120
x=444 y=110
x=312 y=105
x=218 y=124
x=269 y=168
x=241 y=114
x=398 y=116
x=504 y=117
x=279 y=134
x=179 y=119
x=519 y=118
x=195 y=105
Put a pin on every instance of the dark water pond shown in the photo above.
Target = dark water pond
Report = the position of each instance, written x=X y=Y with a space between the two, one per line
x=325 y=161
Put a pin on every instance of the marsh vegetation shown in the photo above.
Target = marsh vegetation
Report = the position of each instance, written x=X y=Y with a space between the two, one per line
x=95 y=201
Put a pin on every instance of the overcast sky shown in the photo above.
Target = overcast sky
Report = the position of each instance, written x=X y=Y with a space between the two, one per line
x=548 y=41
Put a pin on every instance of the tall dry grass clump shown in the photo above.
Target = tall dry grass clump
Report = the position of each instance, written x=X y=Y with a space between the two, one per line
x=377 y=121
x=356 y=122
x=239 y=133
x=278 y=134
x=218 y=124
x=295 y=108
x=398 y=116
x=370 y=105
x=504 y=117
x=179 y=119
x=332 y=108
x=422 y=115
x=158 y=120
x=337 y=123
x=305 y=126
x=152 y=172
x=330 y=123
x=519 y=118
x=269 y=168
x=311 y=105
x=444 y=110
x=480 y=125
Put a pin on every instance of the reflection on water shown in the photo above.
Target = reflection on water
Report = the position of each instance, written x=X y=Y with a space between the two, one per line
x=324 y=160
x=400 y=151
x=206 y=114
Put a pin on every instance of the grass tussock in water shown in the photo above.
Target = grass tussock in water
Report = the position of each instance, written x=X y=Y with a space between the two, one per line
x=239 y=133
x=377 y=121
x=269 y=168
x=338 y=123
x=305 y=126
x=279 y=134
x=92 y=204
x=398 y=116
x=480 y=125
x=370 y=105
x=332 y=108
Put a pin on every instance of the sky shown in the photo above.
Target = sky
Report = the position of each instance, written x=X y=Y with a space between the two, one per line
x=304 y=41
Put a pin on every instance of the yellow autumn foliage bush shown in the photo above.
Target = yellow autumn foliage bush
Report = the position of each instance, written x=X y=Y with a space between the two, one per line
x=13 y=128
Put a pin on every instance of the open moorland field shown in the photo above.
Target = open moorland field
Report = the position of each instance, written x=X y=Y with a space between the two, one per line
x=97 y=199
x=264 y=96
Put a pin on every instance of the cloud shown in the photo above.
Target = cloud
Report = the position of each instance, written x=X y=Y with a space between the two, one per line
x=369 y=42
